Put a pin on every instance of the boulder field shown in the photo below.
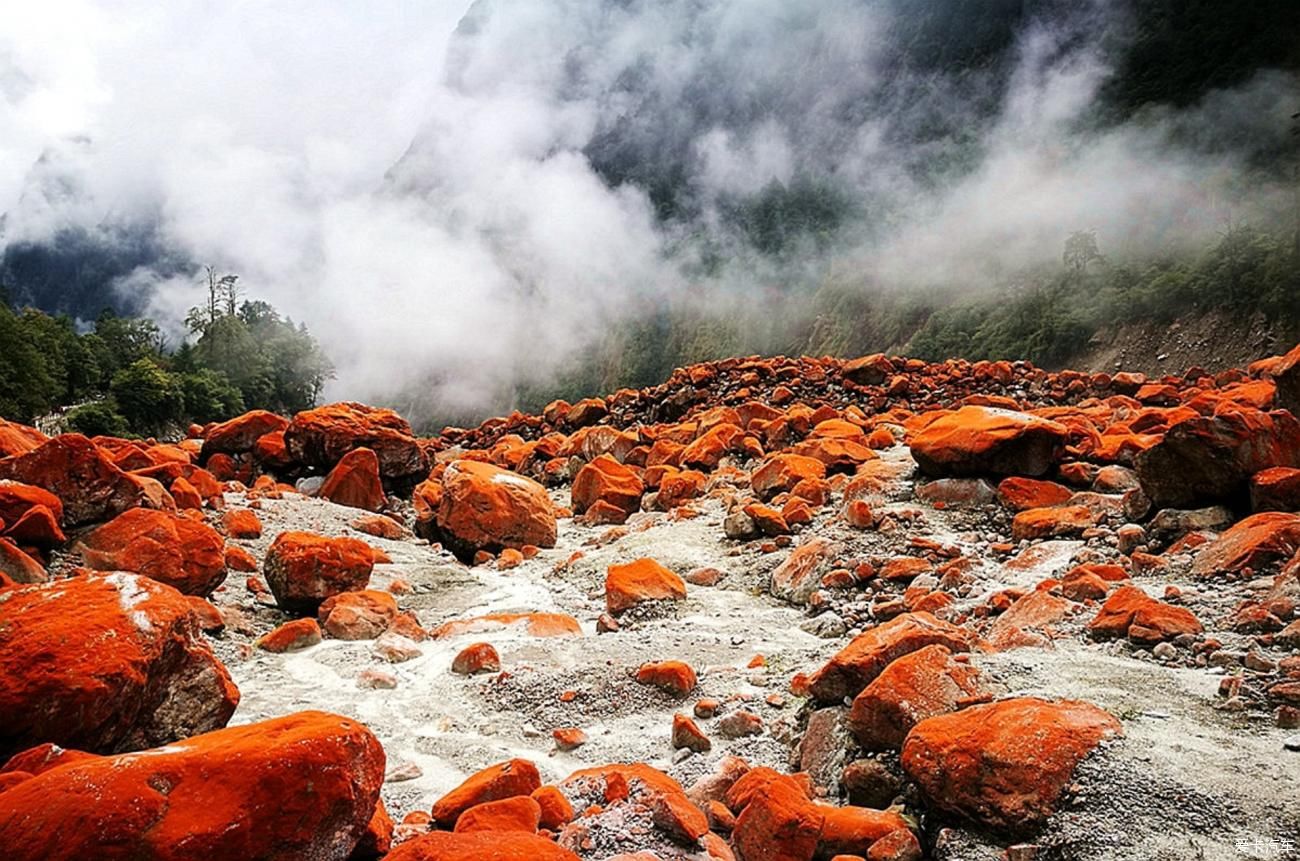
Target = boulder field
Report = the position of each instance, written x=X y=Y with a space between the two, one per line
x=779 y=609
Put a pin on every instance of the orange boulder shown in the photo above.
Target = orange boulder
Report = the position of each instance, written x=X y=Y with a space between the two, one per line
x=304 y=569
x=919 y=685
x=638 y=582
x=858 y=664
x=1004 y=765
x=1257 y=542
x=505 y=780
x=354 y=481
x=301 y=786
x=781 y=473
x=360 y=615
x=16 y=499
x=321 y=437
x=72 y=468
x=240 y=434
x=1130 y=612
x=104 y=664
x=985 y=440
x=674 y=677
x=1020 y=494
x=484 y=507
x=520 y=813
x=606 y=480
x=17 y=566
x=186 y=554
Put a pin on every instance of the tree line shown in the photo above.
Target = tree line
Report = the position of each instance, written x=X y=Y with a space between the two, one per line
x=120 y=377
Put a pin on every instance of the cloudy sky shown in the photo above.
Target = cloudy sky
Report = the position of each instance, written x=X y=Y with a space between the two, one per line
x=434 y=193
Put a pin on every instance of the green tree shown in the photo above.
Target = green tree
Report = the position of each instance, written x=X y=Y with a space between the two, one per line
x=148 y=397
x=97 y=419
x=210 y=396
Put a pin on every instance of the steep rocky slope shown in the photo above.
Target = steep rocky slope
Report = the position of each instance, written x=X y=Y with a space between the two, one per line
x=806 y=608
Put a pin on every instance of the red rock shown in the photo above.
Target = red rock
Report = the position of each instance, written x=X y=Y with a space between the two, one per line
x=781 y=473
x=1004 y=765
x=866 y=656
x=858 y=513
x=16 y=439
x=1063 y=521
x=105 y=664
x=674 y=677
x=1020 y=494
x=672 y=811
x=982 y=440
x=638 y=582
x=1257 y=542
x=768 y=520
x=302 y=786
x=186 y=554
x=484 y=507
x=72 y=468
x=380 y=527
x=270 y=451
x=895 y=846
x=504 y=780
x=687 y=734
x=303 y=569
x=239 y=559
x=799 y=575
x=321 y=437
x=1207 y=459
x=360 y=615
x=17 y=567
x=568 y=739
x=836 y=454
x=1130 y=607
x=520 y=813
x=678 y=487
x=1028 y=621
x=240 y=434
x=241 y=523
x=606 y=480
x=292 y=636
x=377 y=840
x=185 y=495
x=870 y=370
x=480 y=846
x=16 y=499
x=1274 y=489
x=708 y=450
x=856 y=829
x=478 y=658
x=777 y=824
x=354 y=481
x=916 y=686
x=537 y=625
x=555 y=808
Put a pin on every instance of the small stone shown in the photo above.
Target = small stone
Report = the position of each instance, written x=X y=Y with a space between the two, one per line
x=478 y=658
x=1292 y=743
x=1165 y=651
x=740 y=724
x=569 y=738
x=404 y=771
x=687 y=734
x=395 y=648
x=376 y=680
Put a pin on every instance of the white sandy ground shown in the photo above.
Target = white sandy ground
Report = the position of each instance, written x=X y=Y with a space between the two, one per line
x=1187 y=781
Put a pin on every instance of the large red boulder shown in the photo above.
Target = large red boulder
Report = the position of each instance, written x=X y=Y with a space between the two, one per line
x=240 y=434
x=16 y=565
x=988 y=441
x=1257 y=542
x=291 y=788
x=781 y=473
x=75 y=470
x=18 y=439
x=1275 y=489
x=1207 y=459
x=1004 y=765
x=106 y=664
x=480 y=846
x=16 y=499
x=320 y=438
x=1130 y=612
x=186 y=554
x=485 y=507
x=638 y=582
x=503 y=780
x=608 y=481
x=355 y=482
x=856 y=665
x=923 y=684
x=303 y=569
